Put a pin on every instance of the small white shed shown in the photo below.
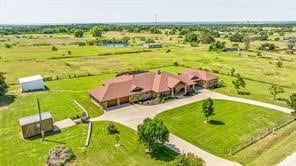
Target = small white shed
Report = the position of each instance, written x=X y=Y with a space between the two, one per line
x=31 y=83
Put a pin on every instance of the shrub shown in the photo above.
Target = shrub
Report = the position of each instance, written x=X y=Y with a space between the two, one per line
x=188 y=159
x=236 y=37
x=279 y=64
x=267 y=46
x=217 y=46
x=83 y=116
x=59 y=156
x=168 y=51
x=78 y=33
x=112 y=129
x=6 y=45
x=53 y=48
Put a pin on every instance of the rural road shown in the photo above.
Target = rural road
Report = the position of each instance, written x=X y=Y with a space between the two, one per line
x=133 y=115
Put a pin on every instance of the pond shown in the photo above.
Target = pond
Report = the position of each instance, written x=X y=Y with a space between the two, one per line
x=115 y=44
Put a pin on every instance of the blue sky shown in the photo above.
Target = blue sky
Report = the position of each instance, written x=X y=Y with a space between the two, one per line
x=86 y=11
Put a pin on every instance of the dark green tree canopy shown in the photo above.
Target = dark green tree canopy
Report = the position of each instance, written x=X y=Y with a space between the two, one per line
x=3 y=85
x=96 y=31
x=191 y=38
x=217 y=46
x=78 y=33
x=153 y=132
x=292 y=101
x=237 y=37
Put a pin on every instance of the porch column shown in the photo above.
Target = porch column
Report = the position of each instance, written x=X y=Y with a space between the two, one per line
x=118 y=102
x=172 y=92
x=185 y=90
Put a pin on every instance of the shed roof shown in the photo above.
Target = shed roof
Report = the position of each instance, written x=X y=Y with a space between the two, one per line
x=30 y=79
x=34 y=118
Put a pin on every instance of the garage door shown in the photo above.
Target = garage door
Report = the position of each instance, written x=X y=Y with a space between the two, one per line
x=112 y=103
x=124 y=100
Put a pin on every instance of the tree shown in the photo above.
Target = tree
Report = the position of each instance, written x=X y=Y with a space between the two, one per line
x=3 y=85
x=275 y=90
x=191 y=38
x=239 y=83
x=78 y=33
x=207 y=38
x=96 y=31
x=267 y=46
x=152 y=132
x=112 y=129
x=236 y=37
x=263 y=36
x=291 y=45
x=292 y=101
x=207 y=108
x=247 y=41
x=217 y=46
x=188 y=159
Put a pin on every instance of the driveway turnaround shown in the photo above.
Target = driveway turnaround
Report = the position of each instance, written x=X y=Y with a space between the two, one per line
x=133 y=115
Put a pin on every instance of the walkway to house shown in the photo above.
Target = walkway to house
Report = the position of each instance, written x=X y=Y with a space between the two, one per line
x=133 y=115
x=59 y=125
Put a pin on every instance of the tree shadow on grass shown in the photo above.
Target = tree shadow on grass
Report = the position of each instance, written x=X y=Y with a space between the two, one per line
x=163 y=153
x=216 y=122
x=243 y=93
x=7 y=100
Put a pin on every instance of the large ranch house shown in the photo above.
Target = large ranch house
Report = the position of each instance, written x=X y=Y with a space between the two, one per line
x=146 y=86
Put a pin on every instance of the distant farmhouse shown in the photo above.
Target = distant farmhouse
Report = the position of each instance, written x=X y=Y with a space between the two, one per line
x=130 y=88
x=31 y=83
x=152 y=45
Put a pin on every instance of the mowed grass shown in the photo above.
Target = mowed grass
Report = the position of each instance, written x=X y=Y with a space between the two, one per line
x=232 y=123
x=101 y=150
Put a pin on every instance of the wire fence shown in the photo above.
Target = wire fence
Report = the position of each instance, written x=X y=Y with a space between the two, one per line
x=258 y=136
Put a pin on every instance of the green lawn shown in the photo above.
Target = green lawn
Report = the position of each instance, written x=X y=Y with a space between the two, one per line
x=14 y=150
x=232 y=123
x=103 y=151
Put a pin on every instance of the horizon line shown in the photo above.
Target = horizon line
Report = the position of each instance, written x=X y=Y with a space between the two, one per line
x=162 y=22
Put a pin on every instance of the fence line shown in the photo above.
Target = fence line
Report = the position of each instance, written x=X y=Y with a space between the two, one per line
x=258 y=136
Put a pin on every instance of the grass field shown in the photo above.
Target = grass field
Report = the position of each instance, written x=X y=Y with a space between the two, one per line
x=232 y=123
x=101 y=149
x=271 y=149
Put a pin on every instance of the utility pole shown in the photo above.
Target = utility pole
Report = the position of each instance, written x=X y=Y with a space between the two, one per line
x=40 y=121
x=155 y=19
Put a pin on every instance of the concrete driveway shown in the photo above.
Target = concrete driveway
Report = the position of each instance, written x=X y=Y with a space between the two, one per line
x=133 y=115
